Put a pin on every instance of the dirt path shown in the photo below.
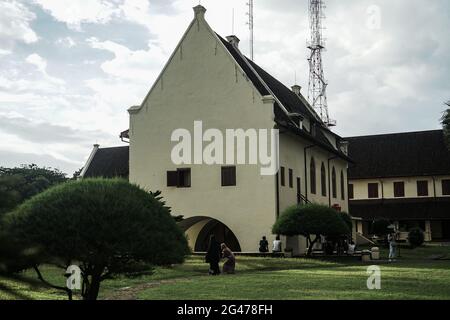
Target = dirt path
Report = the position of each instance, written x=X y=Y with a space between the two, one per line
x=131 y=293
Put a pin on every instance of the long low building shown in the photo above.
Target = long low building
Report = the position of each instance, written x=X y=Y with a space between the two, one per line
x=402 y=177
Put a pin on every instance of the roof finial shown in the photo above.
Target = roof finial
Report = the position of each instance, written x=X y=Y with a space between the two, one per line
x=199 y=11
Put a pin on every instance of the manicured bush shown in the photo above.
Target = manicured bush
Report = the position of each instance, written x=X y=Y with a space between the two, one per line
x=107 y=227
x=416 y=237
x=311 y=219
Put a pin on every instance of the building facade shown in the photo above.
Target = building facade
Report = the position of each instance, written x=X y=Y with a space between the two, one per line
x=403 y=177
x=209 y=84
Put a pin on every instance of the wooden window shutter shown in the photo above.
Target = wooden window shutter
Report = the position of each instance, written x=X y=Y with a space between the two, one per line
x=172 y=178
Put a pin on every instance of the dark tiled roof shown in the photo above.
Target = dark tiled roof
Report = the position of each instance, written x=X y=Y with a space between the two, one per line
x=109 y=163
x=404 y=209
x=399 y=155
x=287 y=97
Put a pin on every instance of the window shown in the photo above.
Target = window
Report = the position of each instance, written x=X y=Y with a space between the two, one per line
x=312 y=176
x=422 y=188
x=291 y=178
x=350 y=191
x=399 y=189
x=282 y=179
x=172 y=178
x=299 y=191
x=228 y=176
x=333 y=182
x=181 y=178
x=373 y=190
x=342 y=186
x=446 y=187
x=323 y=180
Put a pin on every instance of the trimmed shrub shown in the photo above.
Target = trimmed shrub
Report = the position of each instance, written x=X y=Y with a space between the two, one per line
x=106 y=226
x=311 y=219
x=416 y=237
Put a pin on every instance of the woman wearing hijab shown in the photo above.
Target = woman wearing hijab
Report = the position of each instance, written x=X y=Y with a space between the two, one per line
x=213 y=256
x=230 y=263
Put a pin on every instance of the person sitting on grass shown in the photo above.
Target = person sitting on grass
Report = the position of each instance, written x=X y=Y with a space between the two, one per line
x=263 y=245
x=351 y=248
x=230 y=263
x=276 y=245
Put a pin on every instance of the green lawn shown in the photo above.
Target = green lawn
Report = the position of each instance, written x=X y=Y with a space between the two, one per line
x=414 y=276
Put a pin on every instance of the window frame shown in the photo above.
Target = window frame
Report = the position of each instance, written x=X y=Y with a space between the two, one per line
x=422 y=185
x=323 y=180
x=312 y=176
x=377 y=193
x=230 y=180
x=174 y=178
x=351 y=191
x=445 y=184
x=399 y=193
x=333 y=183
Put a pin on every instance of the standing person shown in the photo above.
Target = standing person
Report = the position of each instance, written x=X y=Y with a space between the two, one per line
x=263 y=245
x=392 y=246
x=230 y=264
x=276 y=245
x=213 y=256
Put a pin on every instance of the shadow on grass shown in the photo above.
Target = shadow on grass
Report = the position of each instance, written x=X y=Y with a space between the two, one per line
x=13 y=292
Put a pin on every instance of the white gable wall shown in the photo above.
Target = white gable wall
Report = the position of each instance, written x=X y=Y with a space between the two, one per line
x=202 y=82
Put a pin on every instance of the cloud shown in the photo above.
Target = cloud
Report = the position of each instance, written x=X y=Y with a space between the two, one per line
x=37 y=61
x=10 y=158
x=4 y=52
x=67 y=42
x=15 y=19
x=140 y=65
x=44 y=132
x=79 y=81
x=75 y=13
x=41 y=65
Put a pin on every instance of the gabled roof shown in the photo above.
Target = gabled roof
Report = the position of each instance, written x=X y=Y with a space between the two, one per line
x=266 y=84
x=109 y=163
x=286 y=96
x=399 y=155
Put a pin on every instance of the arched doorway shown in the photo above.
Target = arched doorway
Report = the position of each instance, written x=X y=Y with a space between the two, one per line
x=199 y=230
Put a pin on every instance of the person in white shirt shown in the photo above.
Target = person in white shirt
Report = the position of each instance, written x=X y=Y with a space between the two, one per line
x=351 y=248
x=276 y=244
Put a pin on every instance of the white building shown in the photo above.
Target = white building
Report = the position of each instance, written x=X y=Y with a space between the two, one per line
x=208 y=79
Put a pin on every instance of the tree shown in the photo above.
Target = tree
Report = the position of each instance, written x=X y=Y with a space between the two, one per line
x=77 y=174
x=309 y=220
x=416 y=237
x=445 y=120
x=21 y=183
x=106 y=226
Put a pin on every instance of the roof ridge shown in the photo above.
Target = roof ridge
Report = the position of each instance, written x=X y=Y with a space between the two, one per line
x=393 y=134
x=117 y=147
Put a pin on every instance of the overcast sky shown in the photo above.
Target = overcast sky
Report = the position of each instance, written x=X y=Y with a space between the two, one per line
x=70 y=69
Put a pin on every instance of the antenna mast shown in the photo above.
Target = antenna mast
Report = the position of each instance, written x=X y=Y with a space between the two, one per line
x=317 y=91
x=250 y=25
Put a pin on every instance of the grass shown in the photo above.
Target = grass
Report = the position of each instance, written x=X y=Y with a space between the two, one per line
x=414 y=276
